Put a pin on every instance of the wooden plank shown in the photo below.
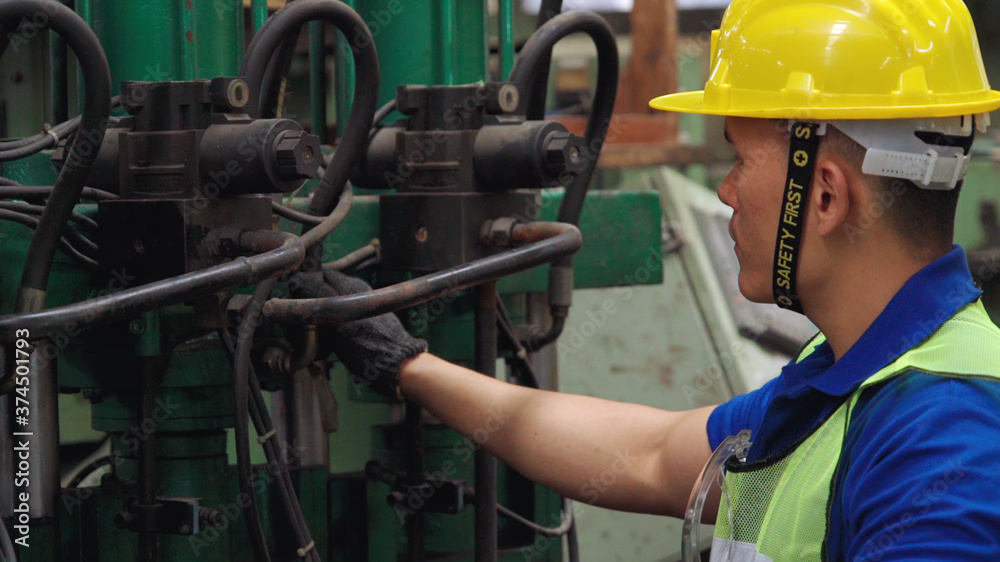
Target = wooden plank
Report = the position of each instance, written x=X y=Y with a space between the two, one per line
x=652 y=68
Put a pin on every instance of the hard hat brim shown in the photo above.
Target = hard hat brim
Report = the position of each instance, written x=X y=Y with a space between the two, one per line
x=693 y=102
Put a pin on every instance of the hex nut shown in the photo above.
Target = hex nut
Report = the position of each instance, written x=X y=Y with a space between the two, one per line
x=562 y=153
x=297 y=155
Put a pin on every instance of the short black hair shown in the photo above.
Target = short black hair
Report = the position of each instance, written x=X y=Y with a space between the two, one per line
x=924 y=219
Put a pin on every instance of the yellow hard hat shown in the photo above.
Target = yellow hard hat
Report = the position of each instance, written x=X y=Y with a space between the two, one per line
x=842 y=59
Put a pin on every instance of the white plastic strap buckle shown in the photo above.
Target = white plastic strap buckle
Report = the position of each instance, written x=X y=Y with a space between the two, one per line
x=930 y=170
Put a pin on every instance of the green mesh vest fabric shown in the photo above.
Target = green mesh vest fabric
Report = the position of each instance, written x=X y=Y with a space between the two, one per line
x=780 y=511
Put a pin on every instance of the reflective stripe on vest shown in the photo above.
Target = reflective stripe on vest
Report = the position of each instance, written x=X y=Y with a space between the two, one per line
x=780 y=508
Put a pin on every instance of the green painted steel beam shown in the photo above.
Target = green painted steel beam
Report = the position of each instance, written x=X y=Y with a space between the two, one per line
x=432 y=42
x=179 y=39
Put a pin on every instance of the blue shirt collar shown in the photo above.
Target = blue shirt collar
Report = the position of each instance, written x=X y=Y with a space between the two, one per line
x=927 y=300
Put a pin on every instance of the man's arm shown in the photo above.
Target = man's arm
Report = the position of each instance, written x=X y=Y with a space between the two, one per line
x=611 y=454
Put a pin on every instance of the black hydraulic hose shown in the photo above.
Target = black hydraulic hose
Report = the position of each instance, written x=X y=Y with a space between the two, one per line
x=30 y=209
x=535 y=108
x=62 y=243
x=289 y=20
x=13 y=190
x=295 y=216
x=545 y=242
x=533 y=60
x=526 y=68
x=47 y=138
x=15 y=150
x=283 y=252
x=264 y=427
x=275 y=75
x=384 y=112
x=83 y=151
x=241 y=385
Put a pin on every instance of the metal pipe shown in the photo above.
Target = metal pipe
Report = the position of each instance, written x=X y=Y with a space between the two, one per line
x=297 y=422
x=189 y=31
x=506 y=38
x=282 y=252
x=355 y=258
x=84 y=8
x=449 y=71
x=416 y=521
x=485 y=472
x=546 y=242
x=258 y=9
x=317 y=79
x=286 y=252
x=147 y=507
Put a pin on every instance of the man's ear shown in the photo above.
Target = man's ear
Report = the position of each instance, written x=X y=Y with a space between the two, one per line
x=831 y=198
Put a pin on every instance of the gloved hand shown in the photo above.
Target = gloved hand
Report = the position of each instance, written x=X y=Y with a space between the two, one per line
x=372 y=349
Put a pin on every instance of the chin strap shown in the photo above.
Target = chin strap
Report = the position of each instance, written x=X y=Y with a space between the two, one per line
x=801 y=163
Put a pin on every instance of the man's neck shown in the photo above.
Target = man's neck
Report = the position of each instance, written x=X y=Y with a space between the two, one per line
x=852 y=297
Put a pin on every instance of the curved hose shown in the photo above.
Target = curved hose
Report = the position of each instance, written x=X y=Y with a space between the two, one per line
x=286 y=252
x=62 y=243
x=13 y=190
x=290 y=19
x=263 y=424
x=82 y=153
x=545 y=242
x=241 y=386
x=535 y=108
x=538 y=46
x=530 y=68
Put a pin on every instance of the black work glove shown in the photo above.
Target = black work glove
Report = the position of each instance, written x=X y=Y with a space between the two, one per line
x=372 y=349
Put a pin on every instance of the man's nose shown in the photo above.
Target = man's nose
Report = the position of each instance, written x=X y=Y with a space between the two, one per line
x=727 y=191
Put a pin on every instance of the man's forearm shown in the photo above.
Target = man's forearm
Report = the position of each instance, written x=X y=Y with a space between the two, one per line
x=601 y=452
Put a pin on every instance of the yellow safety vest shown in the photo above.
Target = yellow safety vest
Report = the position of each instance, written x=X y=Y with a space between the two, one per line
x=779 y=511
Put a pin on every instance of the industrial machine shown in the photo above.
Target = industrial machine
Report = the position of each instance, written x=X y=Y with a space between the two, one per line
x=156 y=245
x=158 y=250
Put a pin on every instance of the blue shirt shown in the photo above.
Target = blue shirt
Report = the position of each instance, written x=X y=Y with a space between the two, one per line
x=919 y=477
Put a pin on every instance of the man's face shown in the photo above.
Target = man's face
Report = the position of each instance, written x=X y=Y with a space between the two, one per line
x=754 y=189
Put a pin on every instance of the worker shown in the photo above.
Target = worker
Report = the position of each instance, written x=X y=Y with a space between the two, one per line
x=852 y=122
